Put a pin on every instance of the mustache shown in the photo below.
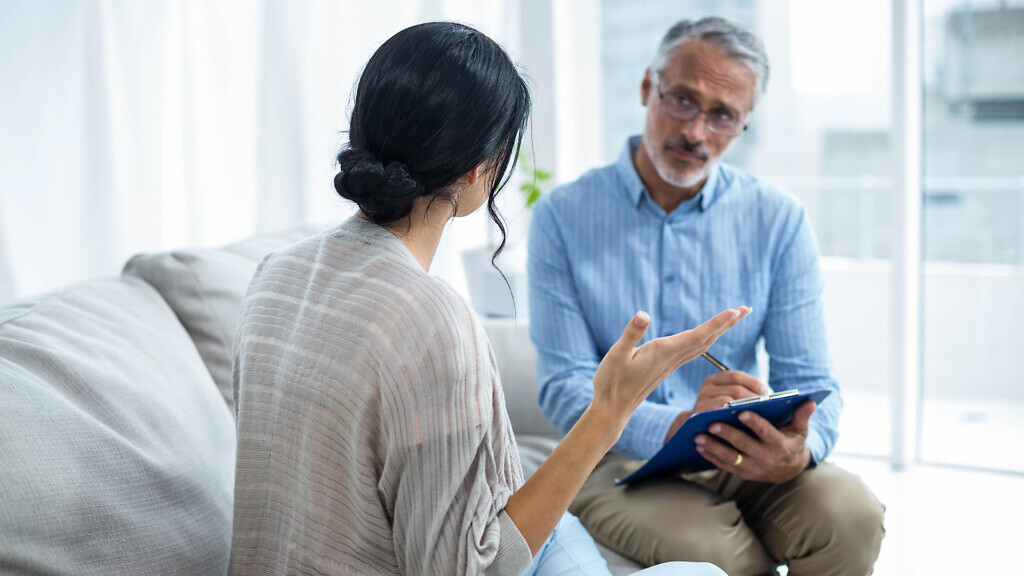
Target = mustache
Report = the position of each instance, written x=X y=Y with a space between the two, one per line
x=692 y=147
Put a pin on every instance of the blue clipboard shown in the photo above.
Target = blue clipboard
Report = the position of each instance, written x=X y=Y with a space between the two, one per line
x=679 y=455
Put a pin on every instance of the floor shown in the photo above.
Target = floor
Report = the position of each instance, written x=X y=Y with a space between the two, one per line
x=947 y=515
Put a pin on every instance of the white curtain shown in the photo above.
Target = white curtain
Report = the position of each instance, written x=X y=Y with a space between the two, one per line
x=129 y=126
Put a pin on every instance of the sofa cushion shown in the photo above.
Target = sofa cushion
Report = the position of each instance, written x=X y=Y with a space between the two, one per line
x=117 y=450
x=205 y=287
x=517 y=363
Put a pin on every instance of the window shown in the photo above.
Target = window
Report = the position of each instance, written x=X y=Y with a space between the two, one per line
x=973 y=234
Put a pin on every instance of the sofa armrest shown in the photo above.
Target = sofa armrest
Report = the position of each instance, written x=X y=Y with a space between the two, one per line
x=116 y=450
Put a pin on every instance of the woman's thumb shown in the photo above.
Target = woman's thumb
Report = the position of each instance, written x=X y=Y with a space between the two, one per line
x=634 y=331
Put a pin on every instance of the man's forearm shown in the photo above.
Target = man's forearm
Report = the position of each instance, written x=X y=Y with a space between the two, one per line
x=678 y=423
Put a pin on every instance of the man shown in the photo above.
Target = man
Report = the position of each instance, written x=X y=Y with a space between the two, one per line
x=669 y=230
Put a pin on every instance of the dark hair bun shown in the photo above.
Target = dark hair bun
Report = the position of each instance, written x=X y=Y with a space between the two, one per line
x=384 y=191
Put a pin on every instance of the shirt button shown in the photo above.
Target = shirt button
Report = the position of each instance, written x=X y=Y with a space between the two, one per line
x=670 y=394
x=670 y=278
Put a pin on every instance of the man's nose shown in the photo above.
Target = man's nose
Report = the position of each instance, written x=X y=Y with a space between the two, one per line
x=695 y=130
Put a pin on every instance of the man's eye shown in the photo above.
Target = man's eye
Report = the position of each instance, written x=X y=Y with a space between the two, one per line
x=725 y=117
x=683 y=101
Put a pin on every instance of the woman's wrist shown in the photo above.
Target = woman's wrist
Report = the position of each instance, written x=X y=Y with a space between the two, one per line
x=603 y=423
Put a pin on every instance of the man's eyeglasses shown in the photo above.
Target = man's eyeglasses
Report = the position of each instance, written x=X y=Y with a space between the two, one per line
x=682 y=108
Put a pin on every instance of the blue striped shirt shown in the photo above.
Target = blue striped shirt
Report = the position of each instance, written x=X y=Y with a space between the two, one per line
x=600 y=249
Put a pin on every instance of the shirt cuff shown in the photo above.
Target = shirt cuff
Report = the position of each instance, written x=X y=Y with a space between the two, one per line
x=513 y=552
x=816 y=443
x=645 y=433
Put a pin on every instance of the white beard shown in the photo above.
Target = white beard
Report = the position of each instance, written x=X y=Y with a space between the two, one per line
x=667 y=172
x=679 y=180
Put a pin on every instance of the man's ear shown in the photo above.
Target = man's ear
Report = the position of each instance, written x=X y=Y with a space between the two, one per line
x=645 y=88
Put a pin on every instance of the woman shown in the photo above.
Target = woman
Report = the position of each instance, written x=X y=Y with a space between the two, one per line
x=372 y=432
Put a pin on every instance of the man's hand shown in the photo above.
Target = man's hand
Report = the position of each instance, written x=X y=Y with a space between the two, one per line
x=718 y=390
x=774 y=455
x=723 y=387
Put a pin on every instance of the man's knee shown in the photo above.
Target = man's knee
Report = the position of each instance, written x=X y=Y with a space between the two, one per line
x=848 y=499
x=858 y=519
x=843 y=522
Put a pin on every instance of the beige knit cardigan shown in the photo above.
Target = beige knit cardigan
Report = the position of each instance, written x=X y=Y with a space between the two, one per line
x=372 y=431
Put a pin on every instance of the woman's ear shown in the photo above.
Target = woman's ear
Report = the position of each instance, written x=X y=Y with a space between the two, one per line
x=474 y=174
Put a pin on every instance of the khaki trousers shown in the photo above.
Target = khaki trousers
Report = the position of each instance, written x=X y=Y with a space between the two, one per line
x=825 y=521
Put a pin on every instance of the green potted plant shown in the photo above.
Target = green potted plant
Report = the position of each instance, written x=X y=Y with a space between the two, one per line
x=535 y=180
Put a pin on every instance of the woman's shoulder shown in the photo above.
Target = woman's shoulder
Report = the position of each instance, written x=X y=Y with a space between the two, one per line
x=434 y=310
x=402 y=290
x=361 y=280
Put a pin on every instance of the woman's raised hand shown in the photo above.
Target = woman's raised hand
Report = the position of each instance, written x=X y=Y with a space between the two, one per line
x=625 y=377
x=629 y=373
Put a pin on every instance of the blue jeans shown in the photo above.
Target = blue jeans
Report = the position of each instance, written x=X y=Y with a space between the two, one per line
x=570 y=550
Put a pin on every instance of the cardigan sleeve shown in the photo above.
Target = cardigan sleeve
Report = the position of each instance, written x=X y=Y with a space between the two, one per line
x=450 y=459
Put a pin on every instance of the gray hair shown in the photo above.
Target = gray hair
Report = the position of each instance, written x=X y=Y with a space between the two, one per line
x=733 y=40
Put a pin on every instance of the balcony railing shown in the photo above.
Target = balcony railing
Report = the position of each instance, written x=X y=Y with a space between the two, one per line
x=971 y=220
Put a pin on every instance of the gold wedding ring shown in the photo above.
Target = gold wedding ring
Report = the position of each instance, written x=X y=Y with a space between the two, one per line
x=738 y=461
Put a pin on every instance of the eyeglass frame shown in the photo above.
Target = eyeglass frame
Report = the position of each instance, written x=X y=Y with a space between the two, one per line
x=697 y=112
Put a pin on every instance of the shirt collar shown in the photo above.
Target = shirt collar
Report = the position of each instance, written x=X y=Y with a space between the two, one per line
x=634 y=187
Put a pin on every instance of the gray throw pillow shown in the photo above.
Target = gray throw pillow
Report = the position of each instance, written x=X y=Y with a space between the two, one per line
x=205 y=287
x=116 y=451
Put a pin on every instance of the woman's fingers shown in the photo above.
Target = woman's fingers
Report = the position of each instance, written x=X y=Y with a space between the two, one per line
x=692 y=342
x=722 y=322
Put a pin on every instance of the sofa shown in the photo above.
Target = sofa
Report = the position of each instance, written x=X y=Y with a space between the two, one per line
x=117 y=428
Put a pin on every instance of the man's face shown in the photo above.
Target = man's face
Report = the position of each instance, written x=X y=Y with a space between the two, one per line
x=684 y=151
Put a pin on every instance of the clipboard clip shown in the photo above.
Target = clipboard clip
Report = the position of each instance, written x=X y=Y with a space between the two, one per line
x=764 y=398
